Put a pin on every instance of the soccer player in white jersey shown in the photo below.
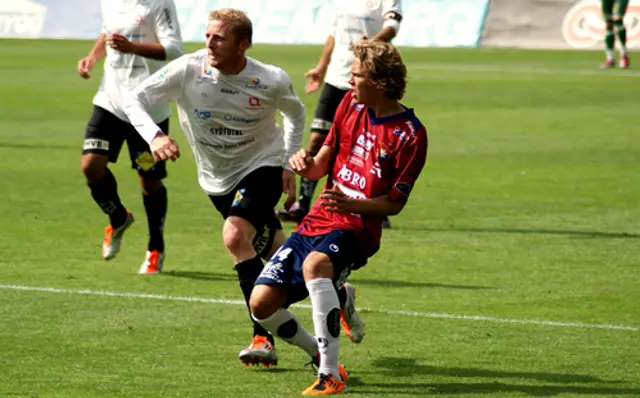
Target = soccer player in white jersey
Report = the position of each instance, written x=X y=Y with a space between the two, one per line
x=352 y=20
x=227 y=104
x=137 y=37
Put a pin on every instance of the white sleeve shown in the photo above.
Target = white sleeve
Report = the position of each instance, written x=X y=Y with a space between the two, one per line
x=392 y=14
x=168 y=29
x=293 y=112
x=160 y=88
x=333 y=26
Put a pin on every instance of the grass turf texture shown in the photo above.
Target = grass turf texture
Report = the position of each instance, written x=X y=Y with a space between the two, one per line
x=528 y=209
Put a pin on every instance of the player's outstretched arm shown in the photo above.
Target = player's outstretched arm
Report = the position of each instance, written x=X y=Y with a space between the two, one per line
x=98 y=51
x=316 y=74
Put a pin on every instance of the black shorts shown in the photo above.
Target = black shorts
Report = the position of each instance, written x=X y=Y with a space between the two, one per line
x=330 y=98
x=105 y=135
x=255 y=199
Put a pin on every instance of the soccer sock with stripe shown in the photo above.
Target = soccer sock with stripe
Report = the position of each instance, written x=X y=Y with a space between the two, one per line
x=609 y=41
x=621 y=33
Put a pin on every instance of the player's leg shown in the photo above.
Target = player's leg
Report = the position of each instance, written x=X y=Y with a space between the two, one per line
x=102 y=143
x=324 y=269
x=154 y=196
x=275 y=289
x=249 y=213
x=330 y=98
x=619 y=11
x=609 y=37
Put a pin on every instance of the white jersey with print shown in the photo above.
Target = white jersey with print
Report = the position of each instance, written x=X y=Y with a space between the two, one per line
x=229 y=120
x=140 y=21
x=354 y=19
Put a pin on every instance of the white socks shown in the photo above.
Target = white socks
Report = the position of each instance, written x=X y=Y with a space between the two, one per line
x=326 y=322
x=284 y=324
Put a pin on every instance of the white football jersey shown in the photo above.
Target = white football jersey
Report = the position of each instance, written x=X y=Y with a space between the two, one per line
x=140 y=21
x=354 y=19
x=229 y=120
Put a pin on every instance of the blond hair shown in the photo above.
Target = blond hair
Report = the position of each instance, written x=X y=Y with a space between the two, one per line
x=239 y=23
x=383 y=66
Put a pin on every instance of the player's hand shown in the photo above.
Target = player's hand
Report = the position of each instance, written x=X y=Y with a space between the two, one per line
x=164 y=147
x=120 y=43
x=289 y=187
x=85 y=65
x=301 y=162
x=316 y=77
x=335 y=201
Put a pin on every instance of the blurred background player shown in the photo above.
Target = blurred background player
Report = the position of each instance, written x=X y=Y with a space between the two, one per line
x=613 y=12
x=372 y=131
x=137 y=37
x=353 y=20
x=227 y=104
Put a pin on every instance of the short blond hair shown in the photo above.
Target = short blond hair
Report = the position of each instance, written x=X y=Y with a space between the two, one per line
x=383 y=66
x=239 y=23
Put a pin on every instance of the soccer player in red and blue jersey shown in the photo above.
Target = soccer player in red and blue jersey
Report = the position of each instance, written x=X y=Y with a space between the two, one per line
x=372 y=157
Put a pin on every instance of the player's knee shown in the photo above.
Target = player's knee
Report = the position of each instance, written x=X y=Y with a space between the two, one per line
x=317 y=265
x=608 y=24
x=149 y=186
x=93 y=167
x=237 y=236
x=617 y=22
x=264 y=301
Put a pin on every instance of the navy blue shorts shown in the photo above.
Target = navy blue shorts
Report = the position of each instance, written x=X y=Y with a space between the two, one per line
x=285 y=266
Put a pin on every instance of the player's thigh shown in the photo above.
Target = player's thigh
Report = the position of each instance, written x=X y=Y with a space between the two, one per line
x=257 y=195
x=607 y=8
x=103 y=135
x=330 y=98
x=620 y=8
x=140 y=154
x=333 y=256
x=284 y=269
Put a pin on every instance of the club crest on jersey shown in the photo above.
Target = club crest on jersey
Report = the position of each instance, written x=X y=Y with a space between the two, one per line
x=403 y=135
x=144 y=161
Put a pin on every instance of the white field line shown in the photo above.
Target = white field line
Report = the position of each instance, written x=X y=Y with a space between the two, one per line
x=518 y=69
x=380 y=311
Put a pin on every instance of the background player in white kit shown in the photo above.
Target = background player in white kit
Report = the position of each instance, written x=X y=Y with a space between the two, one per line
x=136 y=38
x=353 y=20
x=227 y=105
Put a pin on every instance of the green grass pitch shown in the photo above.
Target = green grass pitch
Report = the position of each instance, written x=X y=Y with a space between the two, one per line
x=513 y=271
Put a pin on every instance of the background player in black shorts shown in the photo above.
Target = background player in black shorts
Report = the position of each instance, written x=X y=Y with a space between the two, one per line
x=136 y=39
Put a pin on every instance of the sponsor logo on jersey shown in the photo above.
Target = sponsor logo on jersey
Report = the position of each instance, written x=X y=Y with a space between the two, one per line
x=224 y=131
x=229 y=91
x=393 y=15
x=352 y=177
x=403 y=135
x=254 y=103
x=240 y=119
x=144 y=161
x=255 y=83
x=204 y=115
x=139 y=19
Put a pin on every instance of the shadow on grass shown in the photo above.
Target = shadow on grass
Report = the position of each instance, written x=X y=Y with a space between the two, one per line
x=392 y=283
x=539 y=231
x=398 y=368
x=201 y=275
x=38 y=146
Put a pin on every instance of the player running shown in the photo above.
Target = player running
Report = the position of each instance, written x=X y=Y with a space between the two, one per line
x=613 y=12
x=136 y=39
